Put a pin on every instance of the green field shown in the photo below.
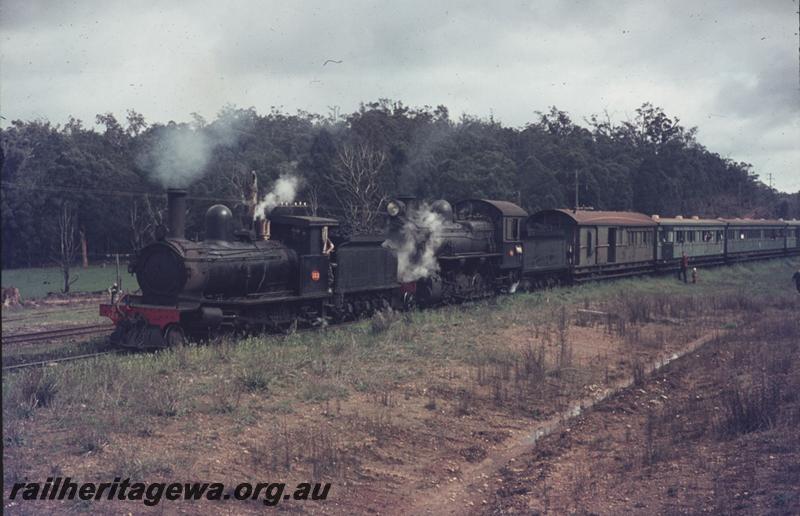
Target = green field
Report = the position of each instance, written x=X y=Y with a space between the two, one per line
x=38 y=282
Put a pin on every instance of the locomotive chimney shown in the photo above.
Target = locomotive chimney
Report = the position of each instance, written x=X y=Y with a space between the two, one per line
x=411 y=201
x=176 y=212
x=262 y=229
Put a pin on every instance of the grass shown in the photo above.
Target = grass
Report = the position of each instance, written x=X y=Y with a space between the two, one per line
x=321 y=366
x=37 y=282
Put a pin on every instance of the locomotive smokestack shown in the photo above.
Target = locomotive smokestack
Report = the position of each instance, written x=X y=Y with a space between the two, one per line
x=176 y=212
x=262 y=229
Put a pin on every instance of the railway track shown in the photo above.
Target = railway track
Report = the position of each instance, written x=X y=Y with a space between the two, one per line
x=89 y=330
x=54 y=361
x=60 y=333
x=29 y=316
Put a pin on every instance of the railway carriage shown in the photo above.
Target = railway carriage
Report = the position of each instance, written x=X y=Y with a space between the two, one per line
x=793 y=236
x=703 y=241
x=751 y=239
x=600 y=243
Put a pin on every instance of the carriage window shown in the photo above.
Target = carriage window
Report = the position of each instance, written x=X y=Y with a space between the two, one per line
x=647 y=236
x=679 y=237
x=589 y=248
x=707 y=236
x=720 y=235
x=690 y=235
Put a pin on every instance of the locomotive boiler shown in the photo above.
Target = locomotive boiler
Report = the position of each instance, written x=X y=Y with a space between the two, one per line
x=217 y=266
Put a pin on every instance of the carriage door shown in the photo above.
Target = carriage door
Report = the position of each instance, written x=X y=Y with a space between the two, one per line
x=612 y=245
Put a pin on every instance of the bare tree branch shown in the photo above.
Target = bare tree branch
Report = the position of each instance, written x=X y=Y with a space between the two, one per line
x=142 y=220
x=356 y=186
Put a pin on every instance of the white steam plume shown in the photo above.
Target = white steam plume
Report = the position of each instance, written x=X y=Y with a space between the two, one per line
x=421 y=238
x=283 y=191
x=180 y=153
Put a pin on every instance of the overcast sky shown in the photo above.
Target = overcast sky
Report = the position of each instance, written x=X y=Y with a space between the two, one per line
x=728 y=67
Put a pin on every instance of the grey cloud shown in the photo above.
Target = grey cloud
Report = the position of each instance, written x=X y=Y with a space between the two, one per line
x=770 y=91
x=728 y=67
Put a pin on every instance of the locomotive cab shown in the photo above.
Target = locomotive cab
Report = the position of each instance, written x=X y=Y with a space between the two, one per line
x=506 y=218
x=308 y=237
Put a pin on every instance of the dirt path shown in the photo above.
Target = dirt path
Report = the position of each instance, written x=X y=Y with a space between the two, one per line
x=657 y=448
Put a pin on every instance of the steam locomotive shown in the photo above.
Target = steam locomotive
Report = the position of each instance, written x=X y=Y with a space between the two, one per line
x=288 y=272
x=292 y=269
x=472 y=251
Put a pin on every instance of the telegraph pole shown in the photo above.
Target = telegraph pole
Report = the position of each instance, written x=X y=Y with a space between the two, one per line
x=770 y=180
x=576 y=190
x=119 y=277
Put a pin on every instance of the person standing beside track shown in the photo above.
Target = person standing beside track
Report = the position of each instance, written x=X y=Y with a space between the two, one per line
x=684 y=268
x=113 y=290
x=796 y=278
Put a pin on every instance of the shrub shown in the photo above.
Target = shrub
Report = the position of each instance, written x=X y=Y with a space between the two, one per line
x=750 y=410
x=35 y=389
x=382 y=321
x=253 y=380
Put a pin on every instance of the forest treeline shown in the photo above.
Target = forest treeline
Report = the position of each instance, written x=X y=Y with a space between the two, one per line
x=106 y=185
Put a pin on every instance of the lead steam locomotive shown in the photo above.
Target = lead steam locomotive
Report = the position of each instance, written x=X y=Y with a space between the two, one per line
x=289 y=272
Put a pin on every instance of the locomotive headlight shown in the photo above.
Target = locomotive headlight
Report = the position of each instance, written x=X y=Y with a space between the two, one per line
x=394 y=208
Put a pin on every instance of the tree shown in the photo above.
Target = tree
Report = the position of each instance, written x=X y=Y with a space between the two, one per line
x=355 y=184
x=349 y=162
x=114 y=132
x=143 y=219
x=316 y=167
x=136 y=123
x=67 y=243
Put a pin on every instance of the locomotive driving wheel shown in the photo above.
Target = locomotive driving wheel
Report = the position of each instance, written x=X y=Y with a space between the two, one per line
x=174 y=336
x=409 y=301
x=477 y=287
